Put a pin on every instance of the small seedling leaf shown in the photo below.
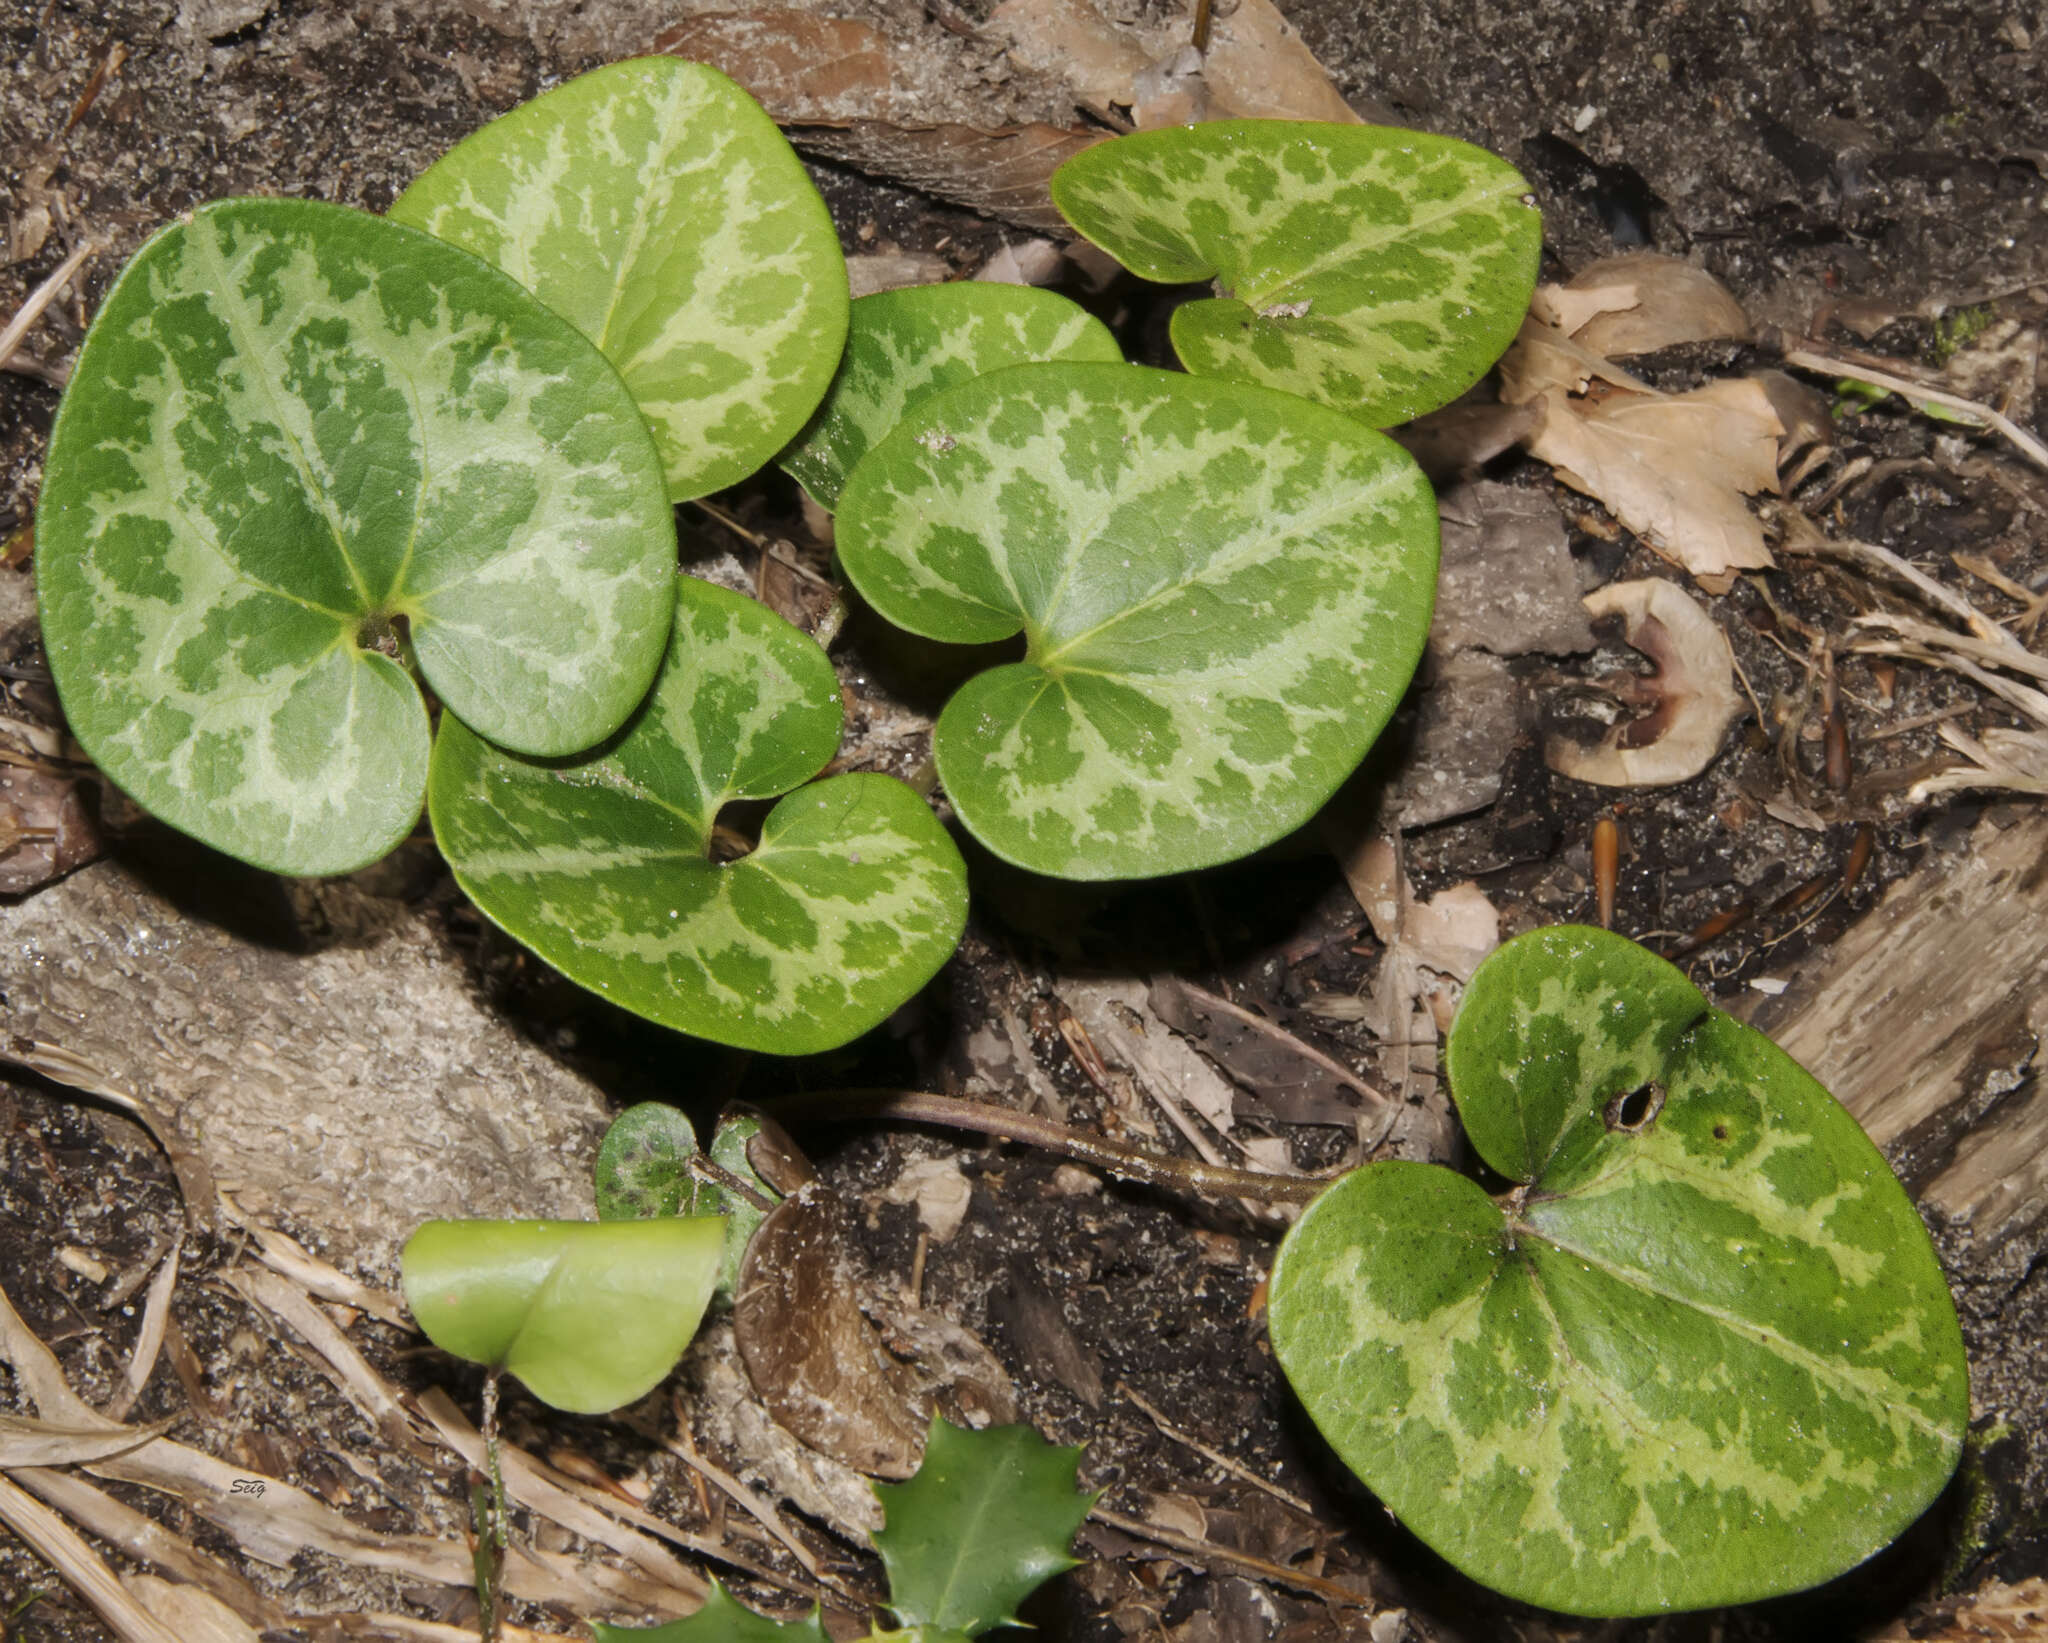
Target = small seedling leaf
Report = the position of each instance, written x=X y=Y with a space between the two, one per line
x=1223 y=590
x=589 y=1314
x=904 y=346
x=655 y=205
x=643 y=1167
x=723 y=1619
x=1702 y=1354
x=986 y=1521
x=742 y=1218
x=292 y=425
x=1376 y=270
x=603 y=864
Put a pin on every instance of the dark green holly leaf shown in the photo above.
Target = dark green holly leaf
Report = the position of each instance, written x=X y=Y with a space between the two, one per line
x=985 y=1522
x=723 y=1619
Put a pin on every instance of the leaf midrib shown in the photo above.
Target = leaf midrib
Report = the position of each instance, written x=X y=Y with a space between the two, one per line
x=1830 y=1370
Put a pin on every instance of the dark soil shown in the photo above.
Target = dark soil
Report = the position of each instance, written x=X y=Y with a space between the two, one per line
x=1886 y=159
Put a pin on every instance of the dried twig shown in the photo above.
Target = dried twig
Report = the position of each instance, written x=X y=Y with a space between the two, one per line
x=1208 y=1554
x=1216 y=1457
x=2022 y=441
x=40 y=299
x=149 y=1340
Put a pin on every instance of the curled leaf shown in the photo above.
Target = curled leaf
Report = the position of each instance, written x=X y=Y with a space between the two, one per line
x=1686 y=704
x=589 y=1314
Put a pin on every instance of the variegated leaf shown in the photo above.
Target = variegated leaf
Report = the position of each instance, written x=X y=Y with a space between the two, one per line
x=292 y=427
x=657 y=207
x=604 y=864
x=1377 y=270
x=1223 y=592
x=904 y=346
x=1702 y=1353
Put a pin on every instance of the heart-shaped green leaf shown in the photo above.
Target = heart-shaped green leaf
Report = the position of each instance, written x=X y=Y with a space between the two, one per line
x=1376 y=270
x=291 y=426
x=1702 y=1353
x=1223 y=589
x=643 y=1167
x=589 y=1314
x=986 y=1521
x=655 y=205
x=604 y=864
x=904 y=346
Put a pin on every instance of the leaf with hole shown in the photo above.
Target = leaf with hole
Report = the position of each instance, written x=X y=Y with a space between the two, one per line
x=643 y=1167
x=1701 y=1353
x=298 y=438
x=607 y=865
x=589 y=1314
x=904 y=346
x=986 y=1521
x=1377 y=270
x=653 y=204
x=1223 y=591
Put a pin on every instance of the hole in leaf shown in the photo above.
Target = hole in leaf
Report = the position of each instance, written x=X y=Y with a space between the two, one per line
x=1635 y=1109
x=737 y=831
x=1720 y=1132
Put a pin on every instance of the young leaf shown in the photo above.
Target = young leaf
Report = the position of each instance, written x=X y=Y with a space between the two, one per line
x=655 y=205
x=1701 y=1354
x=986 y=1521
x=1376 y=270
x=1223 y=591
x=643 y=1167
x=722 y=1619
x=742 y=1219
x=291 y=426
x=904 y=346
x=603 y=864
x=589 y=1314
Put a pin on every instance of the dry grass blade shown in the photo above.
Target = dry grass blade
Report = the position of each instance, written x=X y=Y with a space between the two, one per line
x=27 y=1442
x=83 y=1568
x=149 y=1340
x=304 y=1268
x=40 y=299
x=1217 y=1458
x=1828 y=365
x=148 y=1541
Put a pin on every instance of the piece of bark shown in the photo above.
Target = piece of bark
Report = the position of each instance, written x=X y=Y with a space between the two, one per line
x=330 y=1047
x=795 y=64
x=1506 y=582
x=1925 y=1020
x=1002 y=173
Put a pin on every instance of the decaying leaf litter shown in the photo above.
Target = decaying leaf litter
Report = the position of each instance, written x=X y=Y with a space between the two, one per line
x=1771 y=828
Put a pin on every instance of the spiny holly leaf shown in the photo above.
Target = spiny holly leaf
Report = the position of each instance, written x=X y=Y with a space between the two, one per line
x=986 y=1521
x=643 y=1167
x=1702 y=1354
x=589 y=1314
x=603 y=864
x=904 y=346
x=1223 y=591
x=723 y=1619
x=655 y=205
x=292 y=426
x=1376 y=270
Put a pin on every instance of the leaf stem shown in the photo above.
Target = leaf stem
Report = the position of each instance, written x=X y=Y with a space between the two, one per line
x=1128 y=1163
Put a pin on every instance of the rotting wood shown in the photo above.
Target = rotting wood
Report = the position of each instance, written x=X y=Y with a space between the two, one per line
x=1925 y=1020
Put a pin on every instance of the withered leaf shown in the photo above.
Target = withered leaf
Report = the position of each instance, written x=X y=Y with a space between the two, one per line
x=1279 y=1074
x=815 y=1360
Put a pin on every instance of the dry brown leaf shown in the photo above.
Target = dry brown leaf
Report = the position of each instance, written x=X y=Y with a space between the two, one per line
x=1673 y=469
x=1257 y=67
x=938 y=1189
x=1544 y=358
x=998 y=173
x=1280 y=1075
x=1690 y=699
x=1643 y=301
x=814 y=1359
x=1996 y=1612
x=797 y=65
x=1096 y=56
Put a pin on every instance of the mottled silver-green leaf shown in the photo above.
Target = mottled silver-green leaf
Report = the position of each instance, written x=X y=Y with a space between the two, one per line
x=657 y=207
x=604 y=864
x=1702 y=1353
x=1377 y=270
x=643 y=1167
x=1223 y=592
x=904 y=346
x=291 y=426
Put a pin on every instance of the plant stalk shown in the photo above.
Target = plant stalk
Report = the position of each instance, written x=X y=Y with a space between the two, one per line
x=1006 y=1123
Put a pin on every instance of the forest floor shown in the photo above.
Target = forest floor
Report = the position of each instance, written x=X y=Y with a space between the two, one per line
x=1866 y=179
